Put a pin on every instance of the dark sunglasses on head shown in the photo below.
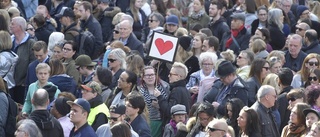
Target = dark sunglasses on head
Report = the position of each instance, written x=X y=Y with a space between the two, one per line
x=215 y=129
x=111 y=60
x=300 y=29
x=312 y=78
x=115 y=31
x=313 y=63
x=292 y=99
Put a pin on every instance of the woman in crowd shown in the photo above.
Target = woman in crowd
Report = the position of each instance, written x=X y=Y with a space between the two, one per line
x=247 y=122
x=258 y=47
x=233 y=107
x=197 y=44
x=297 y=121
x=59 y=77
x=54 y=39
x=139 y=18
x=275 y=64
x=258 y=71
x=121 y=130
x=27 y=128
x=315 y=130
x=155 y=22
x=313 y=94
x=4 y=105
x=313 y=78
x=228 y=55
x=150 y=82
x=115 y=44
x=135 y=64
x=198 y=15
x=127 y=83
x=250 y=13
x=8 y=59
x=169 y=4
x=207 y=62
x=69 y=54
x=265 y=36
x=158 y=6
x=272 y=79
x=261 y=22
x=309 y=63
x=275 y=26
x=99 y=112
x=117 y=64
x=279 y=54
x=296 y=96
x=57 y=51
x=243 y=62
x=103 y=76
x=312 y=116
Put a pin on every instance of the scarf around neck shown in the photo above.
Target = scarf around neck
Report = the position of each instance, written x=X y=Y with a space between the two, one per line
x=234 y=33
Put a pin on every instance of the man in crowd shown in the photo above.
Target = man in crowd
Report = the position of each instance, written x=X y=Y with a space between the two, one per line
x=294 y=56
x=218 y=24
x=85 y=67
x=69 y=24
x=311 y=41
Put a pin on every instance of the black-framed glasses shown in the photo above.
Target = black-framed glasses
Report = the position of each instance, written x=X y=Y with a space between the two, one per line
x=300 y=29
x=114 y=118
x=116 y=31
x=313 y=63
x=172 y=74
x=292 y=99
x=66 y=49
x=111 y=60
x=31 y=29
x=312 y=78
x=151 y=20
x=267 y=68
x=215 y=129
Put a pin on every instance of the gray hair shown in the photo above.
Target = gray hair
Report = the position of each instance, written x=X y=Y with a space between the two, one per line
x=207 y=55
x=30 y=127
x=159 y=17
x=297 y=37
x=120 y=55
x=273 y=17
x=54 y=39
x=21 y=22
x=264 y=90
x=282 y=1
x=128 y=18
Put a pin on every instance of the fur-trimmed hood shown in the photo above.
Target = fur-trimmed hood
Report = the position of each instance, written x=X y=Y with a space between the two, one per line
x=111 y=11
x=53 y=22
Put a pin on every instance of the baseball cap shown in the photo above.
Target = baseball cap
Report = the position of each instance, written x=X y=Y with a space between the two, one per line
x=178 y=109
x=65 y=11
x=84 y=60
x=239 y=16
x=84 y=104
x=92 y=87
x=172 y=19
x=118 y=109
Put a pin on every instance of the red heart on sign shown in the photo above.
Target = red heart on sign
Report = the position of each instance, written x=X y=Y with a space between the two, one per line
x=163 y=47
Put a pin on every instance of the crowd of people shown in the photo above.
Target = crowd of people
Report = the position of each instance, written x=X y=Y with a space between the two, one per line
x=81 y=68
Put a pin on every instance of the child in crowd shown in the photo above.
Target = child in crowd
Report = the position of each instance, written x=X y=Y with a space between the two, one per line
x=179 y=114
x=43 y=73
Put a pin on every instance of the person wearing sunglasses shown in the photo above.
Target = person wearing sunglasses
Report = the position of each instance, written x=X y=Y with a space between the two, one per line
x=295 y=96
x=117 y=115
x=258 y=71
x=313 y=78
x=217 y=128
x=247 y=122
x=311 y=42
x=155 y=23
x=117 y=64
x=301 y=77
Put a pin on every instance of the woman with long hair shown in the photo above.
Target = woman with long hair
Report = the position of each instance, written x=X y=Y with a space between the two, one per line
x=198 y=15
x=301 y=77
x=233 y=107
x=297 y=121
x=258 y=71
x=117 y=64
x=275 y=26
x=314 y=77
x=121 y=130
x=275 y=64
x=158 y=6
x=69 y=54
x=139 y=18
x=313 y=94
x=247 y=122
x=197 y=44
x=150 y=82
x=265 y=36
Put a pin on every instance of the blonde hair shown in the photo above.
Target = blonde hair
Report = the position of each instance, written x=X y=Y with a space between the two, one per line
x=5 y=41
x=228 y=55
x=258 y=45
x=181 y=32
x=117 y=18
x=182 y=69
x=272 y=80
x=43 y=66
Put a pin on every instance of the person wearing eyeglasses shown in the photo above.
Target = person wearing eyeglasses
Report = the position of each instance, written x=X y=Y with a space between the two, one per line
x=301 y=29
x=155 y=22
x=258 y=71
x=99 y=112
x=69 y=53
x=311 y=41
x=310 y=62
x=217 y=128
x=247 y=122
x=314 y=77
x=266 y=97
x=295 y=96
x=117 y=115
x=85 y=66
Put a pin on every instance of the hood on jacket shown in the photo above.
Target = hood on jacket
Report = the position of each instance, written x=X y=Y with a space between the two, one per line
x=53 y=22
x=111 y=11
x=64 y=82
x=43 y=119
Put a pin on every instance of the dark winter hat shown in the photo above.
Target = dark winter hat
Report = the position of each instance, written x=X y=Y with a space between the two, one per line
x=84 y=104
x=104 y=76
x=185 y=42
x=196 y=27
x=225 y=68
x=51 y=89
x=65 y=11
x=118 y=109
x=239 y=16
x=310 y=110
x=173 y=20
x=84 y=60
x=62 y=107
x=300 y=10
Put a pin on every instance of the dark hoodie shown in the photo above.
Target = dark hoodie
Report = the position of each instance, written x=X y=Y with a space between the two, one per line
x=219 y=27
x=105 y=19
x=65 y=83
x=49 y=126
x=101 y=118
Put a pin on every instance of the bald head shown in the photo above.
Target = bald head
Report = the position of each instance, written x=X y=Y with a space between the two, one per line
x=40 y=98
x=301 y=28
x=310 y=36
x=41 y=9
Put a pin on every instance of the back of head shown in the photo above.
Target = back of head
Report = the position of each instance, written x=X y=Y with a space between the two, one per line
x=30 y=127
x=285 y=76
x=121 y=130
x=40 y=98
x=5 y=41
x=264 y=90
x=39 y=20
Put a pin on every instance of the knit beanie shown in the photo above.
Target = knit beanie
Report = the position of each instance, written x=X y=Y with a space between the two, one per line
x=300 y=10
x=62 y=107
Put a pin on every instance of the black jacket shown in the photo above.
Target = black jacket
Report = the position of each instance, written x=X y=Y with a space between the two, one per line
x=237 y=89
x=242 y=39
x=212 y=94
x=138 y=28
x=100 y=118
x=71 y=32
x=283 y=108
x=49 y=126
x=253 y=87
x=314 y=47
x=134 y=44
x=43 y=34
x=105 y=19
x=277 y=38
x=178 y=95
x=255 y=25
x=219 y=27
x=94 y=27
